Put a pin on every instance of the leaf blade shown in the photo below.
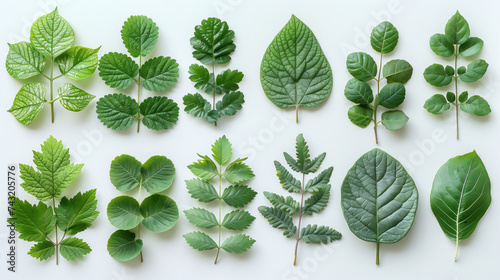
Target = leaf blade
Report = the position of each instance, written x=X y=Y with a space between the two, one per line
x=139 y=35
x=29 y=102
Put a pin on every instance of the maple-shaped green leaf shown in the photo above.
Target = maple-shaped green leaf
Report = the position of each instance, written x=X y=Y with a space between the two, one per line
x=201 y=190
x=139 y=34
x=77 y=214
x=204 y=80
x=228 y=80
x=159 y=112
x=51 y=34
x=118 y=70
x=33 y=222
x=230 y=103
x=279 y=219
x=123 y=246
x=73 y=248
x=159 y=73
x=238 y=196
x=73 y=98
x=200 y=241
x=213 y=41
x=117 y=111
x=238 y=243
x=42 y=250
x=77 y=62
x=24 y=61
x=29 y=102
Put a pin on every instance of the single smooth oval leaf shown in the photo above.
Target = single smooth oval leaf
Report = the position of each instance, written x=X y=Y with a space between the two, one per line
x=392 y=95
x=159 y=112
x=384 y=37
x=394 y=120
x=358 y=92
x=361 y=66
x=78 y=63
x=159 y=73
x=476 y=105
x=160 y=213
x=125 y=173
x=158 y=173
x=24 y=61
x=475 y=71
x=437 y=104
x=51 y=34
x=436 y=75
x=123 y=246
x=450 y=96
x=441 y=46
x=73 y=98
x=213 y=41
x=123 y=212
x=397 y=71
x=471 y=47
x=361 y=116
x=139 y=35
x=117 y=111
x=457 y=29
x=28 y=103
x=118 y=70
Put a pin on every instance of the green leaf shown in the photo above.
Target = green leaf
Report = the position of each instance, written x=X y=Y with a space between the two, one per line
x=294 y=71
x=379 y=198
x=360 y=115
x=32 y=182
x=358 y=92
x=33 y=222
x=287 y=181
x=73 y=248
x=315 y=163
x=449 y=70
x=213 y=41
x=159 y=73
x=51 y=34
x=302 y=152
x=470 y=47
x=476 y=105
x=123 y=246
x=160 y=213
x=204 y=168
x=450 y=96
x=28 y=103
x=392 y=95
x=118 y=70
x=125 y=173
x=319 y=234
x=42 y=250
x=158 y=173
x=384 y=37
x=198 y=106
x=397 y=71
x=437 y=104
x=78 y=213
x=73 y=98
x=228 y=80
x=77 y=62
x=292 y=162
x=23 y=61
x=361 y=66
x=139 y=35
x=461 y=70
x=441 y=46
x=238 y=196
x=123 y=212
x=317 y=202
x=221 y=150
x=463 y=97
x=237 y=220
x=201 y=190
x=200 y=241
x=237 y=244
x=287 y=205
x=203 y=79
x=237 y=172
x=320 y=182
x=475 y=71
x=457 y=29
x=230 y=103
x=201 y=218
x=394 y=120
x=436 y=75
x=117 y=111
x=279 y=219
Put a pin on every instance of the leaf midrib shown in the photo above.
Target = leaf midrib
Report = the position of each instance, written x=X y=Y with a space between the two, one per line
x=460 y=201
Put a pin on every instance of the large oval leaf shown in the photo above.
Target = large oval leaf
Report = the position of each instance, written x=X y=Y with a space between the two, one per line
x=123 y=246
x=294 y=70
x=51 y=34
x=125 y=173
x=123 y=212
x=460 y=196
x=379 y=199
x=139 y=34
x=160 y=213
x=213 y=41
x=384 y=37
x=158 y=173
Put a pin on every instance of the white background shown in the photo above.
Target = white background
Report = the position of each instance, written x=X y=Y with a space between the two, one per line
x=263 y=132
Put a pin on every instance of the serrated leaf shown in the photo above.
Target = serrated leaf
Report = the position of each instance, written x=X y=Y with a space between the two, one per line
x=476 y=105
x=159 y=73
x=237 y=244
x=201 y=218
x=317 y=202
x=158 y=173
x=437 y=104
x=319 y=234
x=125 y=173
x=221 y=150
x=360 y=115
x=139 y=35
x=123 y=212
x=238 y=196
x=361 y=66
x=320 y=182
x=33 y=222
x=160 y=213
x=358 y=92
x=200 y=241
x=73 y=248
x=42 y=250
x=204 y=168
x=397 y=71
x=287 y=205
x=198 y=106
x=123 y=246
x=384 y=37
x=294 y=71
x=230 y=103
x=302 y=152
x=237 y=220
x=213 y=41
x=201 y=190
x=392 y=95
x=32 y=182
x=457 y=29
x=28 y=103
x=78 y=213
x=118 y=70
x=77 y=62
x=315 y=163
x=441 y=46
x=472 y=46
x=159 y=112
x=287 y=181
x=228 y=80
x=51 y=34
x=279 y=219
x=117 y=111
x=294 y=165
x=237 y=172
x=436 y=75
x=394 y=120
x=475 y=71
x=203 y=79
x=73 y=98
x=24 y=61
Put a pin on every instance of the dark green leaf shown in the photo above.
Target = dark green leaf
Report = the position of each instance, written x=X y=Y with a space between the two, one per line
x=213 y=41
x=77 y=62
x=471 y=47
x=203 y=79
x=123 y=246
x=463 y=97
x=201 y=190
x=317 y=202
x=287 y=181
x=392 y=95
x=230 y=103
x=457 y=29
x=437 y=104
x=28 y=103
x=159 y=112
x=279 y=219
x=360 y=115
x=302 y=152
x=397 y=71
x=51 y=34
x=228 y=80
x=159 y=73
x=237 y=220
x=319 y=234
x=198 y=106
x=201 y=218
x=436 y=75
x=42 y=250
x=160 y=213
x=315 y=163
x=158 y=173
x=78 y=213
x=238 y=196
x=118 y=70
x=117 y=111
x=33 y=222
x=23 y=61
x=125 y=173
x=475 y=71
x=384 y=37
x=237 y=244
x=123 y=212
x=200 y=241
x=73 y=98
x=461 y=70
x=73 y=248
x=320 y=182
x=287 y=205
x=394 y=120
x=358 y=92
x=361 y=66
x=450 y=96
x=476 y=105
x=441 y=46
x=139 y=34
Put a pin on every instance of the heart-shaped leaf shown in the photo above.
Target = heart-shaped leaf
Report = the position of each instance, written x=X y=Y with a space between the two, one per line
x=51 y=34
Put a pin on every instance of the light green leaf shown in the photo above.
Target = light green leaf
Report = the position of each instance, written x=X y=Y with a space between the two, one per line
x=77 y=63
x=437 y=76
x=437 y=104
x=441 y=46
x=125 y=173
x=228 y=80
x=33 y=222
x=230 y=103
x=198 y=106
x=201 y=218
x=160 y=213
x=203 y=79
x=32 y=183
x=213 y=41
x=287 y=205
x=287 y=181
x=463 y=97
x=320 y=182
x=237 y=220
x=123 y=246
x=204 y=168
x=237 y=244
x=392 y=95
x=73 y=98
x=471 y=47
x=118 y=70
x=28 y=103
x=139 y=35
x=360 y=115
x=475 y=71
x=51 y=34
x=279 y=219
x=200 y=241
x=361 y=66
x=117 y=111
x=73 y=248
x=457 y=29
x=221 y=150
x=476 y=105
x=319 y=234
x=358 y=92
x=238 y=196
x=384 y=37
x=159 y=73
x=159 y=112
x=158 y=173
x=123 y=212
x=23 y=61
x=317 y=202
x=397 y=71
x=42 y=250
x=201 y=190
x=394 y=120
x=237 y=172
x=78 y=213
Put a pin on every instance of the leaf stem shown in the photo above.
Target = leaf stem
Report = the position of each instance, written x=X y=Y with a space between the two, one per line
x=378 y=250
x=296 y=113
x=456 y=88
x=214 y=85
x=52 y=94
x=456 y=249
x=139 y=226
x=375 y=105
x=138 y=100
x=57 y=239
x=300 y=217
x=220 y=213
